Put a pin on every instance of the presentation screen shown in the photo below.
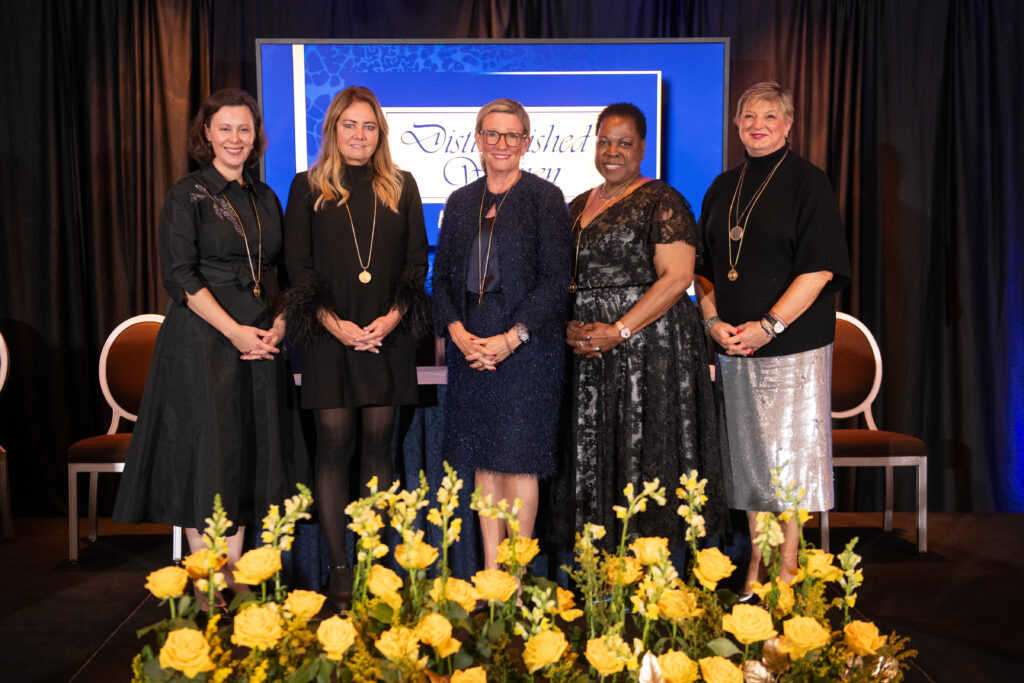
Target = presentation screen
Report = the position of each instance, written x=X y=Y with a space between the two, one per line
x=431 y=91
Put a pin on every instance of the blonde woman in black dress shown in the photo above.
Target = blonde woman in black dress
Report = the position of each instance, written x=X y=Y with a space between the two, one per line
x=356 y=252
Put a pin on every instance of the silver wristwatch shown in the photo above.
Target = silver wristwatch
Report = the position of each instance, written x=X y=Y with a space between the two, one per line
x=522 y=332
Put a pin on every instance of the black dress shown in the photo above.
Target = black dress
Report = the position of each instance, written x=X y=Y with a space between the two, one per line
x=323 y=267
x=209 y=422
x=645 y=409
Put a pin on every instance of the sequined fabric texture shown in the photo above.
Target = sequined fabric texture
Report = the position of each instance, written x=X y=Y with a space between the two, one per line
x=778 y=412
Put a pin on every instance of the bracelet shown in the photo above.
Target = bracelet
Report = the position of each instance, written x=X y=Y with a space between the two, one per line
x=709 y=323
x=767 y=327
x=507 y=345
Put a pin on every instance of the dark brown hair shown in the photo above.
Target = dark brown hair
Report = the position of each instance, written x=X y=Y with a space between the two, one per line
x=199 y=147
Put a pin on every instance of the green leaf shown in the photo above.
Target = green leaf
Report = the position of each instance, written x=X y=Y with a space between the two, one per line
x=723 y=647
x=155 y=672
x=382 y=612
x=454 y=611
x=462 y=659
x=496 y=630
x=306 y=672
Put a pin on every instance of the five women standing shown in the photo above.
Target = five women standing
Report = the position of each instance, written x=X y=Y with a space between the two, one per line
x=356 y=252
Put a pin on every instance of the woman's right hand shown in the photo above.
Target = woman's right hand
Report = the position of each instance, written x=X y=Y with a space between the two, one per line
x=345 y=331
x=476 y=353
x=250 y=342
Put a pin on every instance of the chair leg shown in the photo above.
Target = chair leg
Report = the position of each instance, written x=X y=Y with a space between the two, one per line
x=922 y=506
x=72 y=515
x=6 y=517
x=887 y=515
x=823 y=526
x=176 y=544
x=94 y=478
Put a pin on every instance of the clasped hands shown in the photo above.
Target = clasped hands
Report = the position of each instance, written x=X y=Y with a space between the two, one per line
x=257 y=344
x=483 y=353
x=369 y=338
x=741 y=340
x=591 y=339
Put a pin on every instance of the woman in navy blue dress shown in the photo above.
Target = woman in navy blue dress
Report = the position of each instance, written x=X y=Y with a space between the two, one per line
x=500 y=285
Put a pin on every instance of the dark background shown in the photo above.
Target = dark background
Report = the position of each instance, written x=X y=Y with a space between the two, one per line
x=913 y=109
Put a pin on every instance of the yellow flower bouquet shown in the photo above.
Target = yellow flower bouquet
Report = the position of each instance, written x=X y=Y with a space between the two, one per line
x=630 y=615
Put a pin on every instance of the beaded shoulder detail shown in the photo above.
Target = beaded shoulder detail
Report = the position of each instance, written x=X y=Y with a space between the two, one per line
x=220 y=205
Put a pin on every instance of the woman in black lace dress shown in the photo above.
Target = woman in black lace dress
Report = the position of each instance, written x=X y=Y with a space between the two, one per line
x=641 y=404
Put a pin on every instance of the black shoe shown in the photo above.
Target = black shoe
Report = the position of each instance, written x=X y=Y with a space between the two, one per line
x=339 y=588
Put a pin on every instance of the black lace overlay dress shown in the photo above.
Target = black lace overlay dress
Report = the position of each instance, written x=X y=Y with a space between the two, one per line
x=645 y=409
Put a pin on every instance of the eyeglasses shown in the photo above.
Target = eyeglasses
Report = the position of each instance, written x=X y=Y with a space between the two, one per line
x=491 y=137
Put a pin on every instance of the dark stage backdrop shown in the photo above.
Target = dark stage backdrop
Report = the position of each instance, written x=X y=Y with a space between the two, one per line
x=912 y=108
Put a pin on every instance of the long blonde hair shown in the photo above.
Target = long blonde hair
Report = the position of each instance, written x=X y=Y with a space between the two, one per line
x=327 y=175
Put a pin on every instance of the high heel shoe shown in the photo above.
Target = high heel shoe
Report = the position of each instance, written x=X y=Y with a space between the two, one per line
x=339 y=588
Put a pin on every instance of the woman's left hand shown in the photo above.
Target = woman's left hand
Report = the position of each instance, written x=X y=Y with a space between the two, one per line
x=374 y=333
x=273 y=337
x=591 y=339
x=750 y=338
x=499 y=347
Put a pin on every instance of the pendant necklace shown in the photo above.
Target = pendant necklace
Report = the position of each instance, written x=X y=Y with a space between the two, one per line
x=481 y=262
x=573 y=283
x=257 y=272
x=737 y=232
x=364 y=275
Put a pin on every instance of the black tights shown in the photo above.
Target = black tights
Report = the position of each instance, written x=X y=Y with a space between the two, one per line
x=338 y=432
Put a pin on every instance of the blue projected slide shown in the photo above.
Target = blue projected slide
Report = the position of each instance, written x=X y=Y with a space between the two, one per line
x=431 y=92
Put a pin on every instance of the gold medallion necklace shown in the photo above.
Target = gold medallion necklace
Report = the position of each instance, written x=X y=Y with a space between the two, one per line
x=737 y=233
x=364 y=275
x=573 y=283
x=481 y=268
x=257 y=272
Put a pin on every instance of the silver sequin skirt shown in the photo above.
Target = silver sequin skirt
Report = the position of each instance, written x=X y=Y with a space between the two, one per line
x=778 y=412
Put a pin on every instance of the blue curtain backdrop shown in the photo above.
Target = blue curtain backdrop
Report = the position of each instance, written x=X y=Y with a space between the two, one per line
x=912 y=108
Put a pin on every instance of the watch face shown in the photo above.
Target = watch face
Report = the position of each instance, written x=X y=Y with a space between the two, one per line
x=624 y=333
x=778 y=327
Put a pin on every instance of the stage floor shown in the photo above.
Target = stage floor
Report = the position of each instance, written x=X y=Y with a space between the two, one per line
x=63 y=622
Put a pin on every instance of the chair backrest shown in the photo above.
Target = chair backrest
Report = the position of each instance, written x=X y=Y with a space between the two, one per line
x=124 y=364
x=5 y=363
x=856 y=369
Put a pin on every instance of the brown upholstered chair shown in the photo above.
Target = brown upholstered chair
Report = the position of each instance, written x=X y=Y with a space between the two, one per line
x=6 y=518
x=124 y=364
x=856 y=379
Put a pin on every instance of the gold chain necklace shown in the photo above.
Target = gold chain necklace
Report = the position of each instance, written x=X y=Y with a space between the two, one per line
x=573 y=283
x=737 y=233
x=481 y=269
x=364 y=275
x=257 y=273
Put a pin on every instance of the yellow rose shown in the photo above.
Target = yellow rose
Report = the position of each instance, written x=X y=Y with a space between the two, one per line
x=712 y=567
x=258 y=565
x=819 y=565
x=168 y=582
x=449 y=647
x=399 y=644
x=526 y=549
x=434 y=629
x=678 y=604
x=566 y=600
x=336 y=635
x=494 y=584
x=544 y=648
x=385 y=584
x=304 y=604
x=787 y=599
x=607 y=657
x=749 y=624
x=624 y=570
x=862 y=638
x=200 y=563
x=801 y=635
x=186 y=650
x=474 y=675
x=676 y=667
x=720 y=670
x=649 y=550
x=257 y=627
x=456 y=590
x=419 y=555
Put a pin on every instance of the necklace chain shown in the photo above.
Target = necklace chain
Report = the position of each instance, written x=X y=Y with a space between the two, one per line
x=257 y=272
x=744 y=216
x=573 y=283
x=364 y=274
x=483 y=263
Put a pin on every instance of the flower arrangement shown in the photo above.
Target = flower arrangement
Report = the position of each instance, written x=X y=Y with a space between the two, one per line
x=638 y=619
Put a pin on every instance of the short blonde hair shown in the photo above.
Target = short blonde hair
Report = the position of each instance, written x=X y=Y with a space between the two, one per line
x=771 y=92
x=503 y=106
